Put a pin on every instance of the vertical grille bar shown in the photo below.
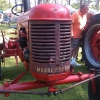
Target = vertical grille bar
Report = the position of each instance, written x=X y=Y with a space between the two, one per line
x=65 y=41
x=57 y=43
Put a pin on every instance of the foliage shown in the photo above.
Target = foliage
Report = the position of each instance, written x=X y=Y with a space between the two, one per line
x=94 y=4
x=4 y=5
x=75 y=5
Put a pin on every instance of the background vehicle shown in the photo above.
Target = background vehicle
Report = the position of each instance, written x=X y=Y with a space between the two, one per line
x=1 y=17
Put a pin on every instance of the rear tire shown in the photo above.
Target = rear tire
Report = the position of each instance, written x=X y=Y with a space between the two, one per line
x=91 y=52
x=0 y=70
x=91 y=95
x=90 y=41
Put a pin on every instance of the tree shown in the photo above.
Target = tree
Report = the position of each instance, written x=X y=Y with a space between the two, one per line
x=97 y=5
x=68 y=2
x=81 y=2
x=9 y=3
x=89 y=1
x=16 y=4
x=4 y=4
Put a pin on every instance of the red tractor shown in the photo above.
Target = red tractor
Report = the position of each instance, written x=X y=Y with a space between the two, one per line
x=91 y=52
x=46 y=54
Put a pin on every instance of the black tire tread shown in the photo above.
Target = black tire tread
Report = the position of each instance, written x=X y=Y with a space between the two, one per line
x=94 y=20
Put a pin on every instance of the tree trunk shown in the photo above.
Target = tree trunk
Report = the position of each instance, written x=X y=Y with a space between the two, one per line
x=35 y=2
x=81 y=2
x=97 y=5
x=55 y=1
x=88 y=1
x=69 y=2
x=39 y=1
x=9 y=3
x=16 y=4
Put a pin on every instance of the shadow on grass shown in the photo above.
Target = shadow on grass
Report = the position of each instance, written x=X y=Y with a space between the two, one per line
x=11 y=71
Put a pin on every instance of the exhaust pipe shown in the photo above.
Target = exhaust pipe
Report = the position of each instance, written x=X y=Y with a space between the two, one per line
x=26 y=5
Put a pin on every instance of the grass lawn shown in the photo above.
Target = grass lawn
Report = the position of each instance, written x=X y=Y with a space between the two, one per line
x=11 y=71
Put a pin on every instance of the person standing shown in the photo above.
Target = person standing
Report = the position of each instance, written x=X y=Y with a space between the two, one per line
x=89 y=16
x=79 y=19
x=23 y=43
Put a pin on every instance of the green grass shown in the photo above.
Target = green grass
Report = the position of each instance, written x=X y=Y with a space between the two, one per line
x=7 y=30
x=10 y=71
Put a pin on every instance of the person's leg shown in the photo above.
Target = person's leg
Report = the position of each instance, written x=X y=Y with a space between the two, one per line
x=75 y=43
x=75 y=52
x=8 y=23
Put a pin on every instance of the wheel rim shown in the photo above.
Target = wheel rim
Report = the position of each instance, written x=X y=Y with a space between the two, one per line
x=92 y=45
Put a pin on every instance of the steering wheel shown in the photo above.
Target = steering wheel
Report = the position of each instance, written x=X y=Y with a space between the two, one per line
x=16 y=13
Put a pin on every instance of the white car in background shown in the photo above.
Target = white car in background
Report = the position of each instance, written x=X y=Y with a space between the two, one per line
x=13 y=18
x=1 y=17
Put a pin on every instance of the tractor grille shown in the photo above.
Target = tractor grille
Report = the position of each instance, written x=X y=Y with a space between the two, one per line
x=50 y=41
x=65 y=41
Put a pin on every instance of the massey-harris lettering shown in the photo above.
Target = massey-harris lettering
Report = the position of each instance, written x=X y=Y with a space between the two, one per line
x=53 y=70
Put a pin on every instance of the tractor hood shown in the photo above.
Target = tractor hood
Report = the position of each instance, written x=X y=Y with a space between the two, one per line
x=46 y=12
